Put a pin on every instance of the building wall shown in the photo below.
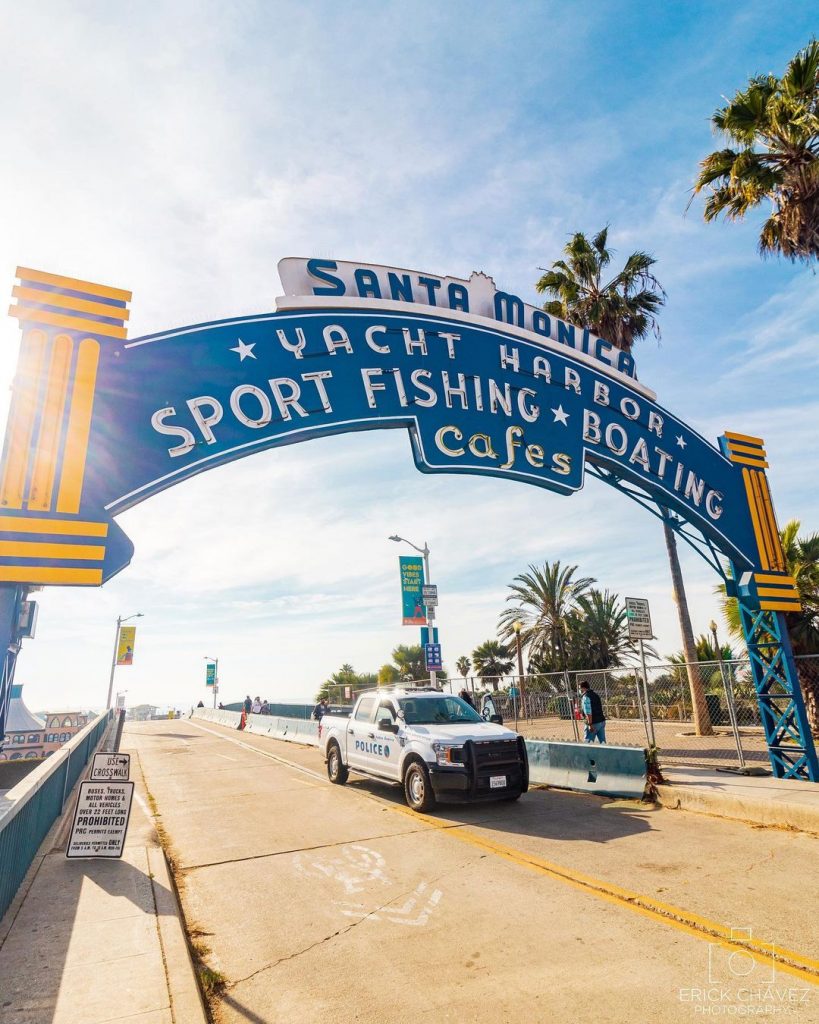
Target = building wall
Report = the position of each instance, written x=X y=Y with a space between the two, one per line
x=60 y=727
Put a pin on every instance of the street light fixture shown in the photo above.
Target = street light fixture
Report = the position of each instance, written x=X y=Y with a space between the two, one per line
x=430 y=611
x=215 y=676
x=120 y=620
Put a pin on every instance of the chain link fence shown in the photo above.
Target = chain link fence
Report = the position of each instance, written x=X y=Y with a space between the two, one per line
x=729 y=730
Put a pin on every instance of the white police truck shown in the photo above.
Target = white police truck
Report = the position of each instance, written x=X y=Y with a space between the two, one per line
x=433 y=744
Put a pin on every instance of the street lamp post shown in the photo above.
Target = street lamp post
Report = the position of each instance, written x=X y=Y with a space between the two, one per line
x=215 y=677
x=430 y=611
x=517 y=627
x=120 y=620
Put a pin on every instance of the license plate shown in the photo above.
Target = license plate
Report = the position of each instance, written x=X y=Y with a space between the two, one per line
x=497 y=782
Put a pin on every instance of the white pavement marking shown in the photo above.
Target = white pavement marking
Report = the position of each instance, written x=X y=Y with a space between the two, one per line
x=399 y=915
x=256 y=750
x=354 y=868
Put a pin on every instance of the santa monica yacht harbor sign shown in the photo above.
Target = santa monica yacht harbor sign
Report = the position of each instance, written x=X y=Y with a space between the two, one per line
x=483 y=382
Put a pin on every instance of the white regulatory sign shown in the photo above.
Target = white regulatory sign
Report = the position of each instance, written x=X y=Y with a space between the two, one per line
x=100 y=819
x=429 y=595
x=638 y=618
x=111 y=768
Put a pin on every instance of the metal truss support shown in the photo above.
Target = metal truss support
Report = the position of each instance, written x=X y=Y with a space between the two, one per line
x=701 y=544
x=11 y=598
x=781 y=705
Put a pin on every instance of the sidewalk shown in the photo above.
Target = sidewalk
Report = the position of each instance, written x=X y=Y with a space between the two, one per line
x=760 y=800
x=93 y=941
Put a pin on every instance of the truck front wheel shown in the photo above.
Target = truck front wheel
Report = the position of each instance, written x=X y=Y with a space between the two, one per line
x=337 y=771
x=417 y=788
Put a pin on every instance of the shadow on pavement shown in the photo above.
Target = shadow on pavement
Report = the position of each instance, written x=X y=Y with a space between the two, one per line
x=540 y=813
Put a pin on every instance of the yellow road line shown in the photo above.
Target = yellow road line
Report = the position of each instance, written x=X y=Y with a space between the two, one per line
x=692 y=924
x=698 y=927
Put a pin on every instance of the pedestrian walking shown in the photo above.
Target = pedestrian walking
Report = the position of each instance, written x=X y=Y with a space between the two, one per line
x=248 y=704
x=592 y=708
x=256 y=706
x=465 y=696
x=320 y=710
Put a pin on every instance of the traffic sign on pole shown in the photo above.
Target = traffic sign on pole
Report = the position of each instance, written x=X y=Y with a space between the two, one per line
x=638 y=618
x=432 y=657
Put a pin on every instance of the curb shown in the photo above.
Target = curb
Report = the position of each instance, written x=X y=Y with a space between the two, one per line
x=186 y=999
x=772 y=812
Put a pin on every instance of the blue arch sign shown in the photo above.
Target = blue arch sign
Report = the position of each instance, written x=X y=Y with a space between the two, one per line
x=482 y=382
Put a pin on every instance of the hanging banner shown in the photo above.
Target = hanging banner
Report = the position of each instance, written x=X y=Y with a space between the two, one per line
x=125 y=647
x=210 y=675
x=412 y=582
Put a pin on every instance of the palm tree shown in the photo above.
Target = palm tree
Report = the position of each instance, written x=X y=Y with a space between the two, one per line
x=773 y=126
x=543 y=600
x=492 y=660
x=463 y=665
x=409 y=661
x=802 y=563
x=388 y=674
x=621 y=309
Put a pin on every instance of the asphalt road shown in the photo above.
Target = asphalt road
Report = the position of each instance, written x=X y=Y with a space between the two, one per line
x=322 y=903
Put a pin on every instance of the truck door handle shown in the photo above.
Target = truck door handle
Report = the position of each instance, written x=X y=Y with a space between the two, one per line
x=370 y=735
x=351 y=732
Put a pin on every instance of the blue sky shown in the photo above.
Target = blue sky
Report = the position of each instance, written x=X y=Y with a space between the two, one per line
x=181 y=149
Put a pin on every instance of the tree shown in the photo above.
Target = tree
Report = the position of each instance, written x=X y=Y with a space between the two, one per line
x=621 y=309
x=463 y=665
x=333 y=688
x=492 y=660
x=702 y=720
x=388 y=674
x=543 y=600
x=409 y=662
x=773 y=128
x=802 y=563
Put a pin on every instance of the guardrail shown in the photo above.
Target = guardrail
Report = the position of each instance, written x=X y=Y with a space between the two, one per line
x=29 y=810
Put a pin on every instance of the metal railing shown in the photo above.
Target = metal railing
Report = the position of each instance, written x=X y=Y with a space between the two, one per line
x=29 y=810
x=657 y=710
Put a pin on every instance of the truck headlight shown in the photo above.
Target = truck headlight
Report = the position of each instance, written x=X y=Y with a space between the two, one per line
x=447 y=754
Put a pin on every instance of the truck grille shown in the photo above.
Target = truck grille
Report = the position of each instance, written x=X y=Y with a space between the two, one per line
x=496 y=753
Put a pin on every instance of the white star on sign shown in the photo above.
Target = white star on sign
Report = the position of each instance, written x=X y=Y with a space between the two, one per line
x=244 y=350
x=561 y=416
x=680 y=441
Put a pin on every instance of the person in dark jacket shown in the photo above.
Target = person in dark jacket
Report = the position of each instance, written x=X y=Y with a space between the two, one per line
x=465 y=696
x=248 y=704
x=592 y=708
x=320 y=710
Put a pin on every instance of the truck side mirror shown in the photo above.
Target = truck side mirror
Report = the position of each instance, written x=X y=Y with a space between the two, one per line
x=387 y=725
x=497 y=719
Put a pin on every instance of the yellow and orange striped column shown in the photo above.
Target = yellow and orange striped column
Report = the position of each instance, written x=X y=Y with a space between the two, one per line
x=43 y=536
x=775 y=589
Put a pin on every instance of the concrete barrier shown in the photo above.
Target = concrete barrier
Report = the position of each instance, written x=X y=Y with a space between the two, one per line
x=583 y=767
x=294 y=730
x=588 y=768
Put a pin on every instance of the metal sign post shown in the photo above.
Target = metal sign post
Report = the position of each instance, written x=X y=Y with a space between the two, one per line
x=638 y=617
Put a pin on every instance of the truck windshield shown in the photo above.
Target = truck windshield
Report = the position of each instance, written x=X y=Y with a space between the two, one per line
x=436 y=710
